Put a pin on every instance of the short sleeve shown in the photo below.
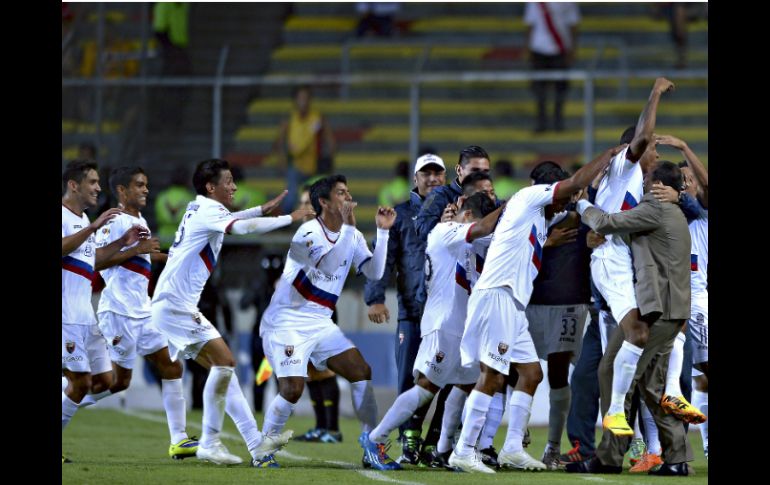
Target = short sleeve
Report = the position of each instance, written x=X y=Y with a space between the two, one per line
x=216 y=218
x=307 y=247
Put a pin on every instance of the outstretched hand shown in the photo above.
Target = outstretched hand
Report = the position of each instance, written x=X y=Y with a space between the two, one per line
x=271 y=204
x=385 y=218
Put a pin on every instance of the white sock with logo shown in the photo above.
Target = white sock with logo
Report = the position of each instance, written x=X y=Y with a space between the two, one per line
x=401 y=410
x=624 y=368
x=214 y=396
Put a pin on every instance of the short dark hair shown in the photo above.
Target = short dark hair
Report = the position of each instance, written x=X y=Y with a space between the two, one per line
x=122 y=176
x=548 y=172
x=628 y=135
x=471 y=180
x=471 y=151
x=322 y=188
x=76 y=170
x=208 y=171
x=479 y=204
x=669 y=174
x=683 y=164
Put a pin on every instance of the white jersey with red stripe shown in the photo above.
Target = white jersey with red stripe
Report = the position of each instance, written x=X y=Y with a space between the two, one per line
x=699 y=255
x=125 y=292
x=194 y=253
x=77 y=271
x=620 y=189
x=448 y=274
x=516 y=250
x=305 y=297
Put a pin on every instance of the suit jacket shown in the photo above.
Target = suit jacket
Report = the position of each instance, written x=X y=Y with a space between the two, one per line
x=660 y=245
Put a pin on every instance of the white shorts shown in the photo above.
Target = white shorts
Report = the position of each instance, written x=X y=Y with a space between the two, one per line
x=186 y=332
x=615 y=281
x=699 y=329
x=557 y=328
x=439 y=360
x=290 y=351
x=496 y=332
x=83 y=349
x=126 y=337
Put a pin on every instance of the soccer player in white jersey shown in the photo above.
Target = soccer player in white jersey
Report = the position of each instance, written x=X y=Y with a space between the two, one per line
x=611 y=265
x=496 y=332
x=297 y=328
x=190 y=335
x=448 y=259
x=124 y=308
x=84 y=350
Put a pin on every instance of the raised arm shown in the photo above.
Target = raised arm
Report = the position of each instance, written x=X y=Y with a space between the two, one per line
x=586 y=174
x=698 y=169
x=646 y=124
x=145 y=246
x=485 y=226
x=374 y=290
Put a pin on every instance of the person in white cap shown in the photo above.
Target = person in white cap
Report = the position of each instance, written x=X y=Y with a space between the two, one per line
x=406 y=256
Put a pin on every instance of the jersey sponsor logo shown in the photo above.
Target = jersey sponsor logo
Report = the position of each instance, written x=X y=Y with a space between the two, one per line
x=433 y=367
x=502 y=348
x=440 y=356
x=70 y=346
x=72 y=358
x=77 y=226
x=288 y=350
x=693 y=262
x=117 y=340
x=286 y=362
x=537 y=248
x=629 y=202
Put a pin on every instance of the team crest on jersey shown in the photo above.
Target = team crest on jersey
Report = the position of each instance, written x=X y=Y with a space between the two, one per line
x=309 y=243
x=439 y=356
x=502 y=348
x=117 y=340
x=70 y=346
x=289 y=350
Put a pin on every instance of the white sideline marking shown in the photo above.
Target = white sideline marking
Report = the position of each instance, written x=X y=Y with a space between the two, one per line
x=371 y=474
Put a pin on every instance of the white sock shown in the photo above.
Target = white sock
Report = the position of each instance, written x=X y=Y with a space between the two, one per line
x=176 y=410
x=214 y=396
x=239 y=411
x=90 y=399
x=494 y=417
x=675 y=366
x=453 y=408
x=477 y=407
x=277 y=414
x=701 y=401
x=519 y=406
x=68 y=409
x=402 y=409
x=364 y=404
x=651 y=429
x=557 y=415
x=624 y=369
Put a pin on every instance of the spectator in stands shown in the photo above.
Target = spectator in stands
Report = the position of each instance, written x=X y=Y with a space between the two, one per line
x=505 y=184
x=170 y=205
x=552 y=43
x=376 y=17
x=302 y=142
x=397 y=190
x=171 y=23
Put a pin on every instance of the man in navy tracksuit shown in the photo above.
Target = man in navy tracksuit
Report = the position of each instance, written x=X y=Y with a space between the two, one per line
x=406 y=254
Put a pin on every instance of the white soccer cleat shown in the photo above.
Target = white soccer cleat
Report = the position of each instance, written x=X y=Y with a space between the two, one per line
x=217 y=453
x=470 y=463
x=519 y=460
x=272 y=443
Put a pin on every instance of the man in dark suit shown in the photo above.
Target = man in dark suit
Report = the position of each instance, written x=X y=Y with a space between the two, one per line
x=660 y=244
